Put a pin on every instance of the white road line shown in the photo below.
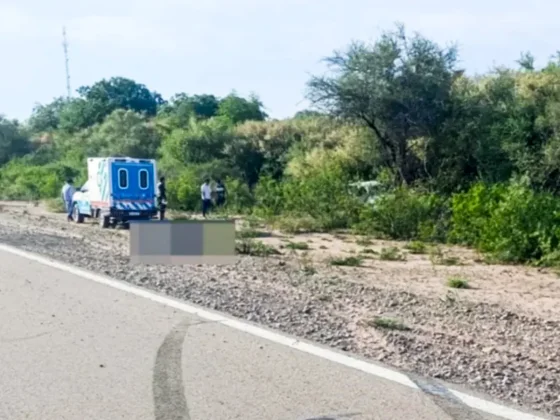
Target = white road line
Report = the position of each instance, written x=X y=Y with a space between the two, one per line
x=492 y=408
x=389 y=374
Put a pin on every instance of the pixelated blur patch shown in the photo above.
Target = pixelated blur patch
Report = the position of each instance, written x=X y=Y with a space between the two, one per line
x=182 y=242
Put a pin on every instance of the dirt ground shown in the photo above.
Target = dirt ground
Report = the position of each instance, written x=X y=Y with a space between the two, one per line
x=498 y=335
x=521 y=289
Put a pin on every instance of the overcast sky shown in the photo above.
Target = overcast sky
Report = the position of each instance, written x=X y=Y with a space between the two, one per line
x=262 y=46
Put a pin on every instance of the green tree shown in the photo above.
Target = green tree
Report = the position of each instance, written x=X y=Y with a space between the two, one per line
x=526 y=61
x=237 y=109
x=13 y=141
x=119 y=92
x=399 y=87
x=46 y=118
x=124 y=133
x=202 y=141
x=470 y=142
x=204 y=106
x=99 y=100
x=181 y=108
x=79 y=114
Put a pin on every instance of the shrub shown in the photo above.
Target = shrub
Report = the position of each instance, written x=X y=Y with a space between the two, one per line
x=321 y=194
x=239 y=197
x=20 y=182
x=406 y=214
x=471 y=212
x=392 y=254
x=297 y=245
x=254 y=248
x=416 y=247
x=457 y=283
x=387 y=323
x=183 y=191
x=347 y=261
x=511 y=222
x=294 y=223
x=269 y=200
x=524 y=226
x=55 y=205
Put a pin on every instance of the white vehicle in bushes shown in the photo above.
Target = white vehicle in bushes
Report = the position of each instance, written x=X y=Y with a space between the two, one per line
x=367 y=191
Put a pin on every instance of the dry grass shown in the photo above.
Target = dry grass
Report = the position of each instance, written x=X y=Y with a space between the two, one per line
x=55 y=205
x=392 y=254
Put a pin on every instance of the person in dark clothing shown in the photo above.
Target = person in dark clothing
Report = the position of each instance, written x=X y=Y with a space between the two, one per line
x=161 y=198
x=220 y=193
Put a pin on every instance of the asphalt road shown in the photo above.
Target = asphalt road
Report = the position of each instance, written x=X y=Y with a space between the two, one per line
x=74 y=349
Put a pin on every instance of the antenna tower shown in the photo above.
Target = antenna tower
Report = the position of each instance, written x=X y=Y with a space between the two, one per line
x=65 y=46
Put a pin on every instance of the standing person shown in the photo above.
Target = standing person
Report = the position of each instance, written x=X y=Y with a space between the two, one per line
x=206 y=195
x=161 y=197
x=68 y=191
x=220 y=193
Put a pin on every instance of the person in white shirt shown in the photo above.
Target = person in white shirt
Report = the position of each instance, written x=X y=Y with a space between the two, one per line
x=67 y=192
x=206 y=195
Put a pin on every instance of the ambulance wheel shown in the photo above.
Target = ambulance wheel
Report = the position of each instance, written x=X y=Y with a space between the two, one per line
x=78 y=218
x=103 y=221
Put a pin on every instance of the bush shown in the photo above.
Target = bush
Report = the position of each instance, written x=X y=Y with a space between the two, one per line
x=416 y=247
x=524 y=226
x=457 y=283
x=55 y=205
x=321 y=194
x=392 y=254
x=21 y=182
x=269 y=200
x=293 y=223
x=183 y=191
x=406 y=214
x=239 y=196
x=511 y=222
x=471 y=211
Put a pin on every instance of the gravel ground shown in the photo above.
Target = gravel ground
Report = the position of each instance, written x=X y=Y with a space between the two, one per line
x=510 y=355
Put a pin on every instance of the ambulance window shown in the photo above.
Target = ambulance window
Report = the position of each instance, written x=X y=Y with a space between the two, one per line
x=123 y=179
x=143 y=179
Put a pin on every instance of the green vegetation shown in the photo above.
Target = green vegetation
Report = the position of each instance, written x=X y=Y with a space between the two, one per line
x=255 y=248
x=364 y=241
x=387 y=324
x=457 y=283
x=351 y=261
x=416 y=247
x=55 y=205
x=298 y=245
x=440 y=257
x=392 y=254
x=306 y=265
x=464 y=160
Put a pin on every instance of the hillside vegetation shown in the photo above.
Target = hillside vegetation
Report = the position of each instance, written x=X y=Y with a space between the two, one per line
x=466 y=160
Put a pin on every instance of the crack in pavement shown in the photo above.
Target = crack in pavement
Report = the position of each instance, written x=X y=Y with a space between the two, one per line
x=30 y=337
